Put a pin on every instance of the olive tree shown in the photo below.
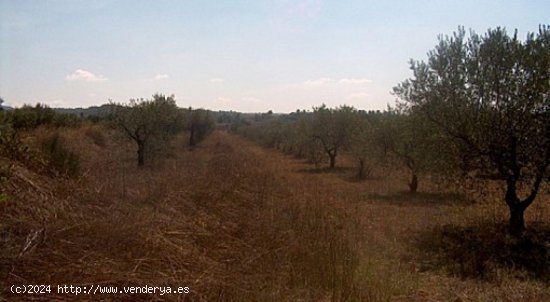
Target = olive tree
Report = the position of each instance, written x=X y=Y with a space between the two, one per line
x=200 y=123
x=364 y=146
x=333 y=128
x=490 y=95
x=415 y=143
x=148 y=123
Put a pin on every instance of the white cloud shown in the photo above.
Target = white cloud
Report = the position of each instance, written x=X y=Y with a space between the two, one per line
x=217 y=80
x=161 y=77
x=84 y=75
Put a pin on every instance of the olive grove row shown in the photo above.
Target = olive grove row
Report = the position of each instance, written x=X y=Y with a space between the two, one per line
x=480 y=105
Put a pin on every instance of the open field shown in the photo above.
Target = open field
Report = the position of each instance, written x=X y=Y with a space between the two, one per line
x=236 y=222
x=272 y=150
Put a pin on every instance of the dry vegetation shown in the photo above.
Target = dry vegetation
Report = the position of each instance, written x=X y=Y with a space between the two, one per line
x=237 y=222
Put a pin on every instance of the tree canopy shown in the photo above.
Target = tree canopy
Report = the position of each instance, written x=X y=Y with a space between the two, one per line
x=149 y=122
x=490 y=96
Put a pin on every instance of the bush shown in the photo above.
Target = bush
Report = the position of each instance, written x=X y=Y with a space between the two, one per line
x=60 y=158
x=29 y=117
x=6 y=170
x=10 y=144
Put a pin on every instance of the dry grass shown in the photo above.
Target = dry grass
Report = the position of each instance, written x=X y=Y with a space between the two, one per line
x=216 y=219
x=236 y=222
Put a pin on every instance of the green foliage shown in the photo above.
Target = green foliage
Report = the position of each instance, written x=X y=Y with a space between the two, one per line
x=200 y=124
x=93 y=113
x=333 y=128
x=366 y=146
x=225 y=117
x=151 y=124
x=4 y=197
x=5 y=171
x=238 y=123
x=29 y=117
x=488 y=95
x=318 y=136
x=59 y=156
x=10 y=144
x=416 y=143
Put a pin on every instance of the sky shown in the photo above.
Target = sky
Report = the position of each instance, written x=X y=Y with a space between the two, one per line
x=248 y=56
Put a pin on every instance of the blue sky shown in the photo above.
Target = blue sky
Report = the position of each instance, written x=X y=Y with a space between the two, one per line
x=243 y=55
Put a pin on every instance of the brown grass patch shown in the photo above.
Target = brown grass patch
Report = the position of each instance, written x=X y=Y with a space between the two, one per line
x=236 y=222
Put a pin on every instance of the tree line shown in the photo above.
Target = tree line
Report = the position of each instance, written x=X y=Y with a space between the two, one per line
x=152 y=123
x=479 y=105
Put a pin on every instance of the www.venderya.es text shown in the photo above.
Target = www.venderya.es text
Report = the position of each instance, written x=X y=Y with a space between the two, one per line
x=95 y=289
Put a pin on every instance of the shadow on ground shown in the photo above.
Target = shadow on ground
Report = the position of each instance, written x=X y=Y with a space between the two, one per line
x=419 y=198
x=485 y=251
x=335 y=170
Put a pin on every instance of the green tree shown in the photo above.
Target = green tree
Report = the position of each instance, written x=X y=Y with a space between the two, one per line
x=333 y=128
x=200 y=124
x=307 y=145
x=363 y=146
x=415 y=142
x=148 y=123
x=489 y=94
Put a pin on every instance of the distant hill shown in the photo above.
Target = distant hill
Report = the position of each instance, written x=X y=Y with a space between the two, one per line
x=99 y=111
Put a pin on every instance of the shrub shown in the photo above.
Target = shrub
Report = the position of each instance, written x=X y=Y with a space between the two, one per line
x=5 y=171
x=10 y=144
x=29 y=117
x=60 y=158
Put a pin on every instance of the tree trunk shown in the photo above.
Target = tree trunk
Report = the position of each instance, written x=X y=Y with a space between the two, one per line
x=361 y=172
x=517 y=222
x=332 y=160
x=413 y=185
x=192 y=136
x=141 y=154
x=516 y=206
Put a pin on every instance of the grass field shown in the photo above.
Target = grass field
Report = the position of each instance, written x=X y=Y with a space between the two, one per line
x=236 y=222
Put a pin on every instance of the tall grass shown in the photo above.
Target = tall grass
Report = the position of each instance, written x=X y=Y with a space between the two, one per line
x=232 y=221
x=216 y=219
